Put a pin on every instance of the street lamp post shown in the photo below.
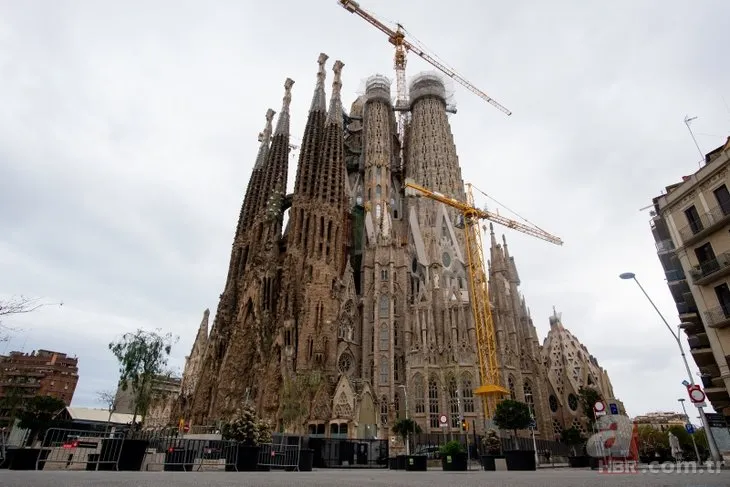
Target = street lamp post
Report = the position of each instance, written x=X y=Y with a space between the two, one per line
x=408 y=434
x=714 y=451
x=692 y=435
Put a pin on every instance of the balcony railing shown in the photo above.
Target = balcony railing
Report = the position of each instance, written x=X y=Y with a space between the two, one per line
x=709 y=219
x=665 y=245
x=702 y=272
x=718 y=317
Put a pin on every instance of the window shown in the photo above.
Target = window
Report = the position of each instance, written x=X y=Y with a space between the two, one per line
x=722 y=195
x=529 y=400
x=396 y=405
x=384 y=371
x=384 y=337
x=383 y=274
x=395 y=334
x=511 y=387
x=553 y=403
x=384 y=411
x=396 y=370
x=433 y=402
x=723 y=297
x=455 y=413
x=378 y=192
x=467 y=391
x=378 y=211
x=446 y=259
x=572 y=402
x=418 y=394
x=693 y=219
x=706 y=257
x=384 y=303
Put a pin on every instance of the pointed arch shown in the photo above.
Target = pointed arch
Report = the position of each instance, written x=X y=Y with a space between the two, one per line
x=419 y=394
x=453 y=391
x=511 y=387
x=384 y=411
x=467 y=391
x=433 y=401
x=529 y=398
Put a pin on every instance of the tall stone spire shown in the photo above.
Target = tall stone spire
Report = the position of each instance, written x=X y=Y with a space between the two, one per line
x=329 y=186
x=309 y=153
x=319 y=99
x=273 y=184
x=335 y=111
x=254 y=183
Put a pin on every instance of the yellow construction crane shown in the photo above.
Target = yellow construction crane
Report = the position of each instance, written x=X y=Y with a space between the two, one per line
x=491 y=386
x=397 y=37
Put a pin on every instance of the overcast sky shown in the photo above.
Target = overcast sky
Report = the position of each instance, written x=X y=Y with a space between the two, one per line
x=128 y=132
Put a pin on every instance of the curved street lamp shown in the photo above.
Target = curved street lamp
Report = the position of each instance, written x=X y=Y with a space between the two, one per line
x=714 y=451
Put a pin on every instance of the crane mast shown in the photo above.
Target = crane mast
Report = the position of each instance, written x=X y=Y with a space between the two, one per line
x=491 y=384
x=397 y=37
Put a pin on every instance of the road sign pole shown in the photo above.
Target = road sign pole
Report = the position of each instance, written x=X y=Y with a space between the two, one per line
x=691 y=434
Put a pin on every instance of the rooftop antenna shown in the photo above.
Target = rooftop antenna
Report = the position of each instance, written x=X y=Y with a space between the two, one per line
x=687 y=120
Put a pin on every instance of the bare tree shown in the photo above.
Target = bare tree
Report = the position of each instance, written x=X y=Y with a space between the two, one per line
x=109 y=399
x=16 y=306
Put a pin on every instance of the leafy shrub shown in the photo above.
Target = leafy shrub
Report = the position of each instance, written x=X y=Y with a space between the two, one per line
x=247 y=428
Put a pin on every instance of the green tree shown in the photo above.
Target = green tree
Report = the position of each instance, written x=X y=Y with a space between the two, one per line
x=651 y=440
x=588 y=398
x=405 y=427
x=38 y=414
x=142 y=357
x=512 y=415
x=572 y=437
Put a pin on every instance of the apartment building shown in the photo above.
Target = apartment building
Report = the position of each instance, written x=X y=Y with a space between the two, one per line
x=691 y=227
x=40 y=373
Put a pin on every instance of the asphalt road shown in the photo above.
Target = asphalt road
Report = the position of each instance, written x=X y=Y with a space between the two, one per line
x=562 y=477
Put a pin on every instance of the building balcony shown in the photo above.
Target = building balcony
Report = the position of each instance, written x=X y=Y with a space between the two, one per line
x=718 y=317
x=708 y=223
x=718 y=396
x=665 y=246
x=698 y=341
x=703 y=356
x=675 y=275
x=711 y=270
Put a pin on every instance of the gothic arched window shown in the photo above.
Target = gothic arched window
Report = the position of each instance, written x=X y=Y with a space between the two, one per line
x=383 y=306
x=395 y=334
x=384 y=337
x=396 y=405
x=467 y=391
x=419 y=391
x=384 y=411
x=511 y=387
x=378 y=192
x=454 y=402
x=529 y=399
x=384 y=371
x=433 y=402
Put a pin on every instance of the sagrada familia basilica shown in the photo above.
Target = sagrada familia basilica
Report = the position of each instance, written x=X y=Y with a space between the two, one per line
x=359 y=304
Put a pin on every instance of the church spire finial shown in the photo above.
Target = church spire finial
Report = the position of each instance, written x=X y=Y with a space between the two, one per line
x=335 y=111
x=318 y=101
x=282 y=126
x=264 y=138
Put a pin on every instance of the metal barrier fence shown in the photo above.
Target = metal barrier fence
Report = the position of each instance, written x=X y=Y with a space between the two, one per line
x=73 y=449
x=429 y=444
x=182 y=454
x=358 y=453
x=279 y=456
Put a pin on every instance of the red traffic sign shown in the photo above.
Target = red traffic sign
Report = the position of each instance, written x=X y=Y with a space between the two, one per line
x=599 y=408
x=696 y=395
x=443 y=419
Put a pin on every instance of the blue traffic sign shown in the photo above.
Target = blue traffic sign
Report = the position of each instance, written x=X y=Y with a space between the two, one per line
x=533 y=424
x=690 y=428
x=614 y=408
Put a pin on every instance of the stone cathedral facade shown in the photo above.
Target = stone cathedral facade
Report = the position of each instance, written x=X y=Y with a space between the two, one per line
x=363 y=289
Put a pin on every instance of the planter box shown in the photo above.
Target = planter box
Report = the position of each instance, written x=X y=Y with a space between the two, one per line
x=520 y=460
x=580 y=461
x=306 y=459
x=489 y=462
x=23 y=458
x=454 y=463
x=247 y=458
x=417 y=463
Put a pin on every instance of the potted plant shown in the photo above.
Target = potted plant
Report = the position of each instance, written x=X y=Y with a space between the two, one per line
x=572 y=437
x=514 y=415
x=453 y=456
x=249 y=431
x=405 y=428
x=491 y=450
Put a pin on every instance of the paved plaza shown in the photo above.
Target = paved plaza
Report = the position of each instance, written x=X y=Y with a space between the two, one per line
x=561 y=477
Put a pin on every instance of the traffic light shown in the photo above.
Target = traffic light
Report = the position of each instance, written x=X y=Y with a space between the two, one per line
x=464 y=425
